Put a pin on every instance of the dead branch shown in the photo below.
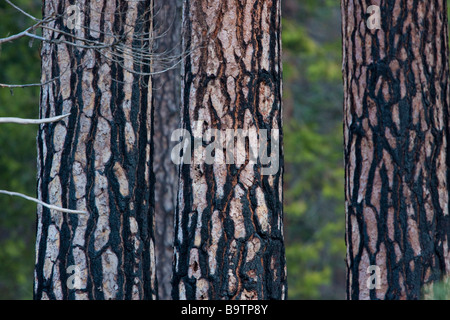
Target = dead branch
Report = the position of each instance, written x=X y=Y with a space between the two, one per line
x=33 y=121
x=49 y=206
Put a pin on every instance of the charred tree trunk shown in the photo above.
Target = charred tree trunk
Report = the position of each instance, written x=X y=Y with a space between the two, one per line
x=229 y=220
x=167 y=103
x=96 y=160
x=396 y=124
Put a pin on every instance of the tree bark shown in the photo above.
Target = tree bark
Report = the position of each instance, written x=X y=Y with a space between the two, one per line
x=98 y=159
x=229 y=219
x=396 y=125
x=167 y=103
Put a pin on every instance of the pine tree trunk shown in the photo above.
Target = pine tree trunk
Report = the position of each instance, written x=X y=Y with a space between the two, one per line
x=167 y=102
x=396 y=124
x=229 y=220
x=96 y=160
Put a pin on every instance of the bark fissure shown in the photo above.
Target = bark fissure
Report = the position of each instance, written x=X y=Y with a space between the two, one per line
x=395 y=137
x=229 y=218
x=97 y=160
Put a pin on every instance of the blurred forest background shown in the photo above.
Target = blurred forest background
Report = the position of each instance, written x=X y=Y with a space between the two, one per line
x=314 y=174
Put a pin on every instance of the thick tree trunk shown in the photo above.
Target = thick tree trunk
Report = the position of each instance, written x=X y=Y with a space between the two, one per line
x=396 y=124
x=229 y=219
x=167 y=103
x=97 y=160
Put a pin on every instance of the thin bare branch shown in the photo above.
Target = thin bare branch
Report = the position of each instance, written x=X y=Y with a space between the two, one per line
x=118 y=49
x=15 y=36
x=49 y=206
x=33 y=121
x=28 y=32
x=21 y=10
x=13 y=86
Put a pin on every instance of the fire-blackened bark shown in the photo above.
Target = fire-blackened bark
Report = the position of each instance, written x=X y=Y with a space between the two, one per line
x=396 y=123
x=98 y=159
x=229 y=219
x=167 y=103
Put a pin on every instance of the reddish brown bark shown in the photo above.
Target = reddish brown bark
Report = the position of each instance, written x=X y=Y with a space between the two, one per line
x=396 y=125
x=98 y=159
x=229 y=221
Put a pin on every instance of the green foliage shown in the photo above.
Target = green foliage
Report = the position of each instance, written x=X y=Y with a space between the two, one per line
x=314 y=211
x=314 y=173
x=18 y=64
x=302 y=257
x=438 y=290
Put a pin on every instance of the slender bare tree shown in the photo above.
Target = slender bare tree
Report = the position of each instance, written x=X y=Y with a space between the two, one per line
x=99 y=158
x=396 y=126
x=167 y=103
x=229 y=220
